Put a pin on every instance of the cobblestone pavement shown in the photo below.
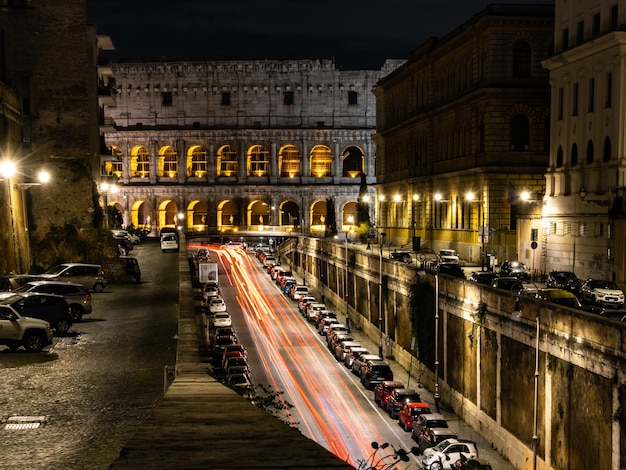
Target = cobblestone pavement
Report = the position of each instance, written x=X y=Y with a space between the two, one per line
x=95 y=386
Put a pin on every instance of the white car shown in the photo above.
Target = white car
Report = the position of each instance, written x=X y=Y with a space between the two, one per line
x=169 y=242
x=221 y=319
x=126 y=235
x=444 y=454
x=217 y=305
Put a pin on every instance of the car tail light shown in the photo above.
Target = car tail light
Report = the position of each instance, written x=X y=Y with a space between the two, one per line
x=88 y=297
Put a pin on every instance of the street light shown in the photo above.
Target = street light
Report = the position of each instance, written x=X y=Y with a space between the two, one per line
x=436 y=395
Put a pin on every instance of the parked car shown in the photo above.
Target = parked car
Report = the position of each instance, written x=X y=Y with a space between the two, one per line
x=15 y=330
x=49 y=307
x=451 y=269
x=566 y=280
x=514 y=269
x=324 y=325
x=304 y=301
x=239 y=381
x=359 y=362
x=448 y=256
x=410 y=411
x=428 y=421
x=446 y=453
x=559 y=296
x=483 y=277
x=126 y=235
x=217 y=305
x=298 y=291
x=351 y=354
x=397 y=399
x=77 y=297
x=343 y=347
x=221 y=319
x=13 y=281
x=504 y=282
x=374 y=372
x=402 y=256
x=383 y=389
x=313 y=311
x=602 y=293
x=220 y=343
x=430 y=437
x=90 y=276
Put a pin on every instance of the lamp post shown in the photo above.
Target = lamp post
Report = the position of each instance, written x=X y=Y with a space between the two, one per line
x=416 y=198
x=380 y=298
x=436 y=395
x=536 y=376
x=345 y=285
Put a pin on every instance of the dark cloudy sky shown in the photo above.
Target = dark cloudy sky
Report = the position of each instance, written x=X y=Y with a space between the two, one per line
x=357 y=34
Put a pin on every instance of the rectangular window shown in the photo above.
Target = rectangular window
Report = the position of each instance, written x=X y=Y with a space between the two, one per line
x=580 y=32
x=559 y=104
x=288 y=98
x=352 y=97
x=582 y=229
x=552 y=228
x=564 y=39
x=225 y=98
x=614 y=17
x=609 y=90
x=166 y=97
x=567 y=229
x=534 y=234
x=595 y=29
x=591 y=99
x=575 y=100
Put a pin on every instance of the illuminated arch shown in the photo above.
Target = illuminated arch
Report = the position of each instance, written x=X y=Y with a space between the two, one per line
x=228 y=216
x=290 y=215
x=139 y=162
x=114 y=167
x=226 y=161
x=321 y=161
x=168 y=214
x=196 y=162
x=258 y=161
x=318 y=216
x=197 y=214
x=168 y=162
x=353 y=161
x=349 y=209
x=289 y=161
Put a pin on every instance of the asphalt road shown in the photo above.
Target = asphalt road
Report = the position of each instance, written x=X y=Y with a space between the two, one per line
x=97 y=384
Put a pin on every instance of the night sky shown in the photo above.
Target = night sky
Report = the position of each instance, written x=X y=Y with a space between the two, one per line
x=356 y=34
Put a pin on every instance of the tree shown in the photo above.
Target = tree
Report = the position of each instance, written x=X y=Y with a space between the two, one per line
x=362 y=206
x=331 y=218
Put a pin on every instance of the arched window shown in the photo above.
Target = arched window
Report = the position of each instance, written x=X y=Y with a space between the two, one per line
x=590 y=156
x=352 y=162
x=559 y=157
x=168 y=162
x=606 y=156
x=520 y=130
x=321 y=161
x=226 y=161
x=574 y=156
x=114 y=166
x=140 y=162
x=196 y=162
x=521 y=59
x=258 y=161
x=289 y=161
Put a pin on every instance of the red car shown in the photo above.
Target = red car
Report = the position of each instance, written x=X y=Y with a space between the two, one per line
x=409 y=411
x=383 y=390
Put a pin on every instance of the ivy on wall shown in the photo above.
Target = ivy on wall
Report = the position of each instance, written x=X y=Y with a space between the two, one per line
x=422 y=314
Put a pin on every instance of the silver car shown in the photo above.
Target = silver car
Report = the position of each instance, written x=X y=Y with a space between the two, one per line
x=78 y=298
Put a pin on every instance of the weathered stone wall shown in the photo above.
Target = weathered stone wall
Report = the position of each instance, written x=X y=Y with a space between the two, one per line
x=487 y=371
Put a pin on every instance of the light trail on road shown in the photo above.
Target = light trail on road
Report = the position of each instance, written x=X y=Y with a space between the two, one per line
x=329 y=404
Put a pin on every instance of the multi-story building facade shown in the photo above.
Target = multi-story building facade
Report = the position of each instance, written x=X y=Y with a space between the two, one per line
x=239 y=148
x=462 y=136
x=584 y=212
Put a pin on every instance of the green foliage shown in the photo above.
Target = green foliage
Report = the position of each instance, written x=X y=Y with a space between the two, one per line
x=619 y=414
x=65 y=244
x=479 y=314
x=422 y=315
x=331 y=218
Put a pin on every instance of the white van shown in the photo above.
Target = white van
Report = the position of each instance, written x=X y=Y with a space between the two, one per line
x=169 y=242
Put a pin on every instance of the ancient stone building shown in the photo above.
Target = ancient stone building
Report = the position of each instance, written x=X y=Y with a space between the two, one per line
x=462 y=133
x=47 y=57
x=236 y=148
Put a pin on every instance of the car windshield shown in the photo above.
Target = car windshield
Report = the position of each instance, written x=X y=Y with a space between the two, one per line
x=605 y=285
x=55 y=269
x=441 y=446
x=437 y=423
